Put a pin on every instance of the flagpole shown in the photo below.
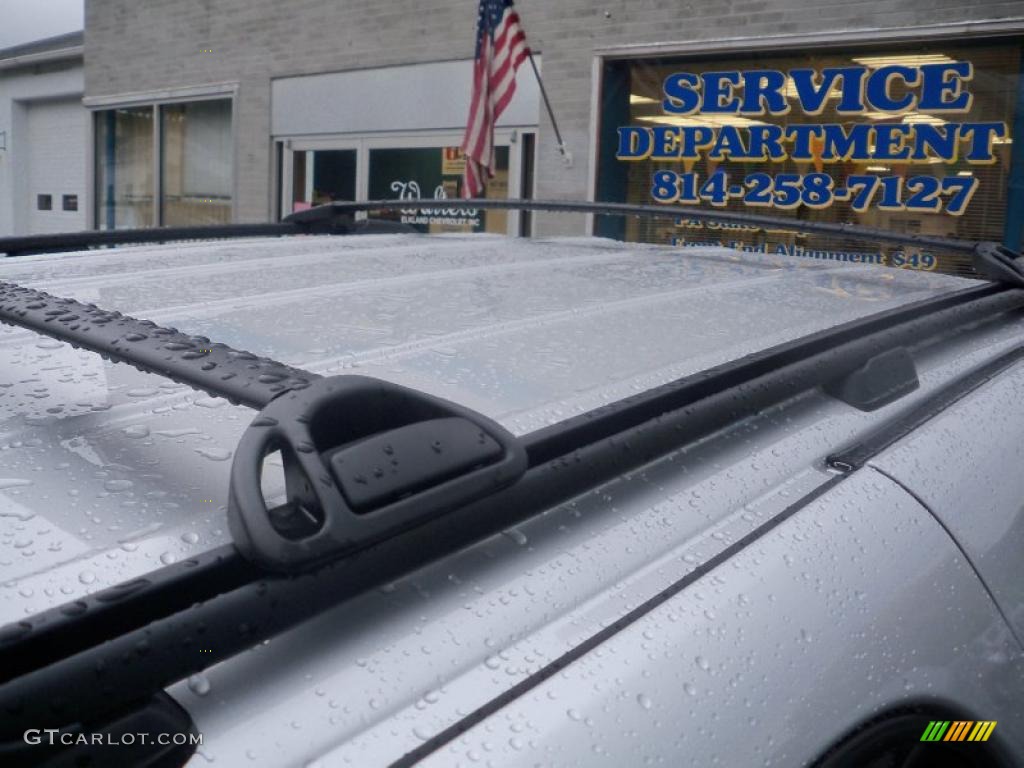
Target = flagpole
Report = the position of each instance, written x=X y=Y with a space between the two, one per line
x=551 y=114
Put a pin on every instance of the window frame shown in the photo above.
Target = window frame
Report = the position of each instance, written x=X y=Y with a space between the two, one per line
x=363 y=143
x=959 y=32
x=156 y=101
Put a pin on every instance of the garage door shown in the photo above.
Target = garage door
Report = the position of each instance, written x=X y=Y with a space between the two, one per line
x=56 y=166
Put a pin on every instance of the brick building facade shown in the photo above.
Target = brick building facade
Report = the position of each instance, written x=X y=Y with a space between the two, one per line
x=148 y=52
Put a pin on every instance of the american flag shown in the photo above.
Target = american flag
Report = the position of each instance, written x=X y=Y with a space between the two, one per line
x=500 y=50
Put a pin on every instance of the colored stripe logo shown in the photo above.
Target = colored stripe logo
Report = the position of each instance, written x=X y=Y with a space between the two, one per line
x=958 y=730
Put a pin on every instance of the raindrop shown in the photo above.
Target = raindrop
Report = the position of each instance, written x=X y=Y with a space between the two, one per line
x=142 y=392
x=214 y=454
x=136 y=431
x=199 y=685
x=644 y=701
x=87 y=577
x=517 y=536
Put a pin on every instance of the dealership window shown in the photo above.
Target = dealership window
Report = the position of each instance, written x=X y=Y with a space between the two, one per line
x=436 y=173
x=188 y=182
x=427 y=166
x=916 y=139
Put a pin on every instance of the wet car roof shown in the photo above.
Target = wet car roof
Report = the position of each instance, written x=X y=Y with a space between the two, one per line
x=108 y=472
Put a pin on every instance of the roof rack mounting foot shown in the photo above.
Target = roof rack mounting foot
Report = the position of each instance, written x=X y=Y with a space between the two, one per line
x=1000 y=263
x=363 y=459
x=883 y=379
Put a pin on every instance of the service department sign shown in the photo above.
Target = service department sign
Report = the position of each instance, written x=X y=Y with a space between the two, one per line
x=914 y=140
x=932 y=89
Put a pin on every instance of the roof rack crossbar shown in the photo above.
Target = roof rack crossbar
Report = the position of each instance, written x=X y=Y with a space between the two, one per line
x=241 y=377
x=73 y=241
x=233 y=613
x=326 y=223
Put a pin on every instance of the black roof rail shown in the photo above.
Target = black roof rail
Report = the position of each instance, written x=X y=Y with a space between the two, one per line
x=989 y=259
x=323 y=222
x=436 y=475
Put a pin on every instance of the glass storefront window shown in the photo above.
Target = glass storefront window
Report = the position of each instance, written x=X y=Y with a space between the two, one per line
x=372 y=168
x=436 y=173
x=124 y=168
x=912 y=140
x=196 y=163
x=322 y=176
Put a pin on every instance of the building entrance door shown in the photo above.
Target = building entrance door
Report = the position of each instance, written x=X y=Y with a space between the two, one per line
x=315 y=172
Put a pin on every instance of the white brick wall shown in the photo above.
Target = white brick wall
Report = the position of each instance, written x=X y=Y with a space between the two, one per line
x=137 y=45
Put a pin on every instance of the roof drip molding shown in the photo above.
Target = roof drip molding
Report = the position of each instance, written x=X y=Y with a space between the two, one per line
x=57 y=46
x=43 y=57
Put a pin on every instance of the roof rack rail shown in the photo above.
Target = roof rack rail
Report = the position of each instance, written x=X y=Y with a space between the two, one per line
x=437 y=477
x=989 y=259
x=325 y=223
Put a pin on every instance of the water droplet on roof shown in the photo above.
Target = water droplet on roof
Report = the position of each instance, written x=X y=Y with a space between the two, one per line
x=214 y=454
x=517 y=536
x=199 y=685
x=142 y=392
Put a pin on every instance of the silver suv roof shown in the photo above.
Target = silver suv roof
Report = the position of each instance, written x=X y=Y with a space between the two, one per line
x=110 y=473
